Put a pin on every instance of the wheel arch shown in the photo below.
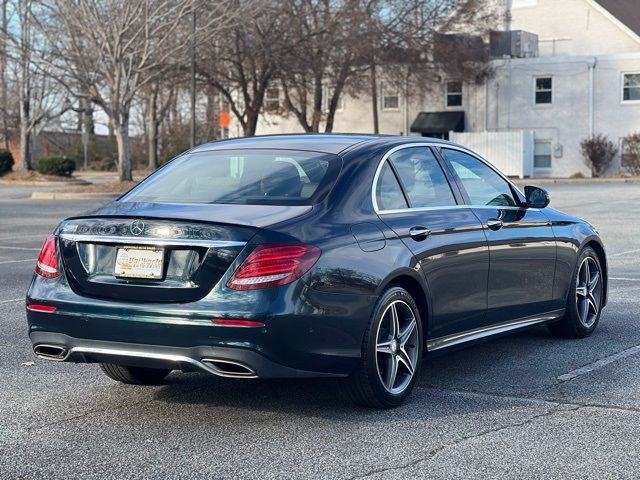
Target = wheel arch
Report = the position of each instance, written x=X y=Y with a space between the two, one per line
x=602 y=258
x=417 y=290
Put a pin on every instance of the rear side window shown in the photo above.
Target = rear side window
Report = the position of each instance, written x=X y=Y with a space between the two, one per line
x=261 y=177
x=483 y=185
x=388 y=192
x=423 y=180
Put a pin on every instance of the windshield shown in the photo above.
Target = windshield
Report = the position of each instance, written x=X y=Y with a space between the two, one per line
x=264 y=177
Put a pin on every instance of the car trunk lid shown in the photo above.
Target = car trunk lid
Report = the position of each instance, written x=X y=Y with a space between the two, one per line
x=196 y=244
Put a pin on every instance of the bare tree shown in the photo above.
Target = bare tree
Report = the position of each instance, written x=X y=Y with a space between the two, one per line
x=3 y=74
x=159 y=98
x=40 y=98
x=115 y=48
x=419 y=41
x=242 y=64
x=328 y=39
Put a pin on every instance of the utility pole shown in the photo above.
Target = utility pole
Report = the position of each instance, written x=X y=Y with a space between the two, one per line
x=193 y=78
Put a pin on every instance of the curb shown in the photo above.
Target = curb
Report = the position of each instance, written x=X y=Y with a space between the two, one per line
x=586 y=181
x=74 y=196
x=71 y=183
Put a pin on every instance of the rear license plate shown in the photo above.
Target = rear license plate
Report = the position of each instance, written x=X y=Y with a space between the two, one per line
x=139 y=262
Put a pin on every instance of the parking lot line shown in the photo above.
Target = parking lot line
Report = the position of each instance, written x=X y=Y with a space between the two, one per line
x=620 y=254
x=598 y=364
x=20 y=248
x=17 y=261
x=18 y=237
x=12 y=300
x=627 y=279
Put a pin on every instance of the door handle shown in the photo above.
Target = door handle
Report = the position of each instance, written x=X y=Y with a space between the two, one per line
x=494 y=223
x=419 y=233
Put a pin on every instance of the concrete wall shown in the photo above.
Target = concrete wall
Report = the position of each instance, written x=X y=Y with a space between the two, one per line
x=568 y=119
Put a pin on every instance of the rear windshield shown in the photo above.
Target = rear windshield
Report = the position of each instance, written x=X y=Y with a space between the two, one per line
x=261 y=177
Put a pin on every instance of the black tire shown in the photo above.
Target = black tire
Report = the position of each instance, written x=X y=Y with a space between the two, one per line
x=134 y=375
x=366 y=385
x=573 y=324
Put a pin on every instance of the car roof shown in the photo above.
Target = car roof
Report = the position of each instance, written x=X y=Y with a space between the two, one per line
x=334 y=143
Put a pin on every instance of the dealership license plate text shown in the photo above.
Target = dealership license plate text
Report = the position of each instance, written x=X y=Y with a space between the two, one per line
x=139 y=262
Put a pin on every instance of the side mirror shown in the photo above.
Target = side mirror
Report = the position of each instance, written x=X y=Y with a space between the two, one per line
x=536 y=197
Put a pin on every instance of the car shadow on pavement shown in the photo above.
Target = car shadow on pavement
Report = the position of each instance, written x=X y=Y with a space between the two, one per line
x=504 y=365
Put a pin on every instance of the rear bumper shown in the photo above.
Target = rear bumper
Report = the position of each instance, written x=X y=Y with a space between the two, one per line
x=221 y=361
x=322 y=337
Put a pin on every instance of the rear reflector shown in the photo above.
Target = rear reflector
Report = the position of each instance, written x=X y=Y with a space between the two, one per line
x=47 y=263
x=235 y=322
x=273 y=265
x=35 y=307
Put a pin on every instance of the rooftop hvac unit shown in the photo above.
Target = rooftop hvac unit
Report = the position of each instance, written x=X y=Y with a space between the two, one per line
x=514 y=43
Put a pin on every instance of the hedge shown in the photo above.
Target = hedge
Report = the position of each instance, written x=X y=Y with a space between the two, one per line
x=6 y=162
x=60 y=166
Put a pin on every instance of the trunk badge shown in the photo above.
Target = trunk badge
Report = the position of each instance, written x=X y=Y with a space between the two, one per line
x=137 y=227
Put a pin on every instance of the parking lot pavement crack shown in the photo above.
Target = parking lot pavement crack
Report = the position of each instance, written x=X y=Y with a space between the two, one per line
x=432 y=453
x=88 y=413
x=539 y=400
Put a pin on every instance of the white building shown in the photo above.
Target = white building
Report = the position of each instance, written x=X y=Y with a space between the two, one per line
x=530 y=118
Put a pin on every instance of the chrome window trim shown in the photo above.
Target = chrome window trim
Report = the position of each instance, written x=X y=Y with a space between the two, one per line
x=460 y=148
x=160 y=242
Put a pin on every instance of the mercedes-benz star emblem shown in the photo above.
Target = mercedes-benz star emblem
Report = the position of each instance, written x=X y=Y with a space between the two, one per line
x=137 y=227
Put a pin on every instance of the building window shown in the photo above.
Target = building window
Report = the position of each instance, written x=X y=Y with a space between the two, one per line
x=631 y=87
x=272 y=99
x=390 y=99
x=544 y=86
x=542 y=155
x=454 y=94
x=326 y=98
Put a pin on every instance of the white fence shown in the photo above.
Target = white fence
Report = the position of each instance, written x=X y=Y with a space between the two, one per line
x=510 y=152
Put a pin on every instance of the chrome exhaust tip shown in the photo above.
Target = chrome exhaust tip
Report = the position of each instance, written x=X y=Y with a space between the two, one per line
x=50 y=352
x=228 y=368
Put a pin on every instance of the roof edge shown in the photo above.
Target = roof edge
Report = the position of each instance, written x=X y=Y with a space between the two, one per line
x=615 y=20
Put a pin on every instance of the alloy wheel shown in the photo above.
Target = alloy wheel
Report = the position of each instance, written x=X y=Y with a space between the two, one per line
x=588 y=292
x=397 y=347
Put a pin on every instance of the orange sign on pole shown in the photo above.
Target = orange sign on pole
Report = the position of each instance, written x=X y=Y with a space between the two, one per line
x=224 y=119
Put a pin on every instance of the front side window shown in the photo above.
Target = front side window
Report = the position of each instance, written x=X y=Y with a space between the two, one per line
x=542 y=155
x=631 y=87
x=483 y=185
x=388 y=192
x=454 y=94
x=544 y=90
x=422 y=178
x=253 y=177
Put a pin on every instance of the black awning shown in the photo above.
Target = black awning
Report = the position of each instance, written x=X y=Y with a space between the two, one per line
x=438 y=122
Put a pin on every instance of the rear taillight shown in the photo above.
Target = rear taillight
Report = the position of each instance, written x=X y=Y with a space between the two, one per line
x=36 y=307
x=273 y=265
x=236 y=322
x=47 y=264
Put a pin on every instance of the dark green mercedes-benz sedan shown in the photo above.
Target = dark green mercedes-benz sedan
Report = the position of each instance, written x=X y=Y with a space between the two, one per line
x=345 y=256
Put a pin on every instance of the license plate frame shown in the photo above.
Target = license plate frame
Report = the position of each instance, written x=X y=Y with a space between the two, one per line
x=139 y=262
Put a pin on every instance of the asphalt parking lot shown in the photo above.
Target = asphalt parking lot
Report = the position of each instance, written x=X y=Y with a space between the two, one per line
x=522 y=406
